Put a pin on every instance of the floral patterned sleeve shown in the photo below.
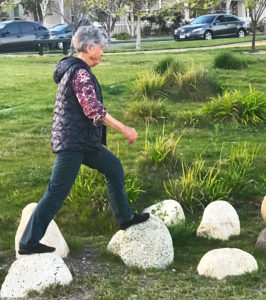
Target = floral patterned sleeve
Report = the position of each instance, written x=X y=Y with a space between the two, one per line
x=85 y=92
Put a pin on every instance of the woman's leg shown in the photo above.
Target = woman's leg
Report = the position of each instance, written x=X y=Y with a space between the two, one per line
x=65 y=170
x=109 y=165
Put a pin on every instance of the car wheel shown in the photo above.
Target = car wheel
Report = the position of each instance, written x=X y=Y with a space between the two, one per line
x=241 y=33
x=208 y=35
x=60 y=45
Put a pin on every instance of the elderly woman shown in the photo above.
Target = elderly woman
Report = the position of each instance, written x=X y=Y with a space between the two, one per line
x=78 y=136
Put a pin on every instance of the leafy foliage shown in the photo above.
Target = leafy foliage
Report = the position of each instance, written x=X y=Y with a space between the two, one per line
x=228 y=60
x=147 y=111
x=237 y=106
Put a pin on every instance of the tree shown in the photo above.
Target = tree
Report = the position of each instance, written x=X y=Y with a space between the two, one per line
x=38 y=8
x=256 y=8
x=107 y=12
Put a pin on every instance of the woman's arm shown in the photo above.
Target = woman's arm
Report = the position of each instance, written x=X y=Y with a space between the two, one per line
x=128 y=132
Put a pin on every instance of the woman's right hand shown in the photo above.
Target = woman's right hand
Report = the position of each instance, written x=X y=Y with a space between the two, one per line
x=130 y=133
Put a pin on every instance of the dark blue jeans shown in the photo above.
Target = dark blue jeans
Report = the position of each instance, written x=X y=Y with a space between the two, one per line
x=65 y=171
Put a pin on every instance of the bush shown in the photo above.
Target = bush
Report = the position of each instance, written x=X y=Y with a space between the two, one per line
x=197 y=186
x=237 y=175
x=150 y=85
x=87 y=208
x=146 y=31
x=236 y=106
x=227 y=60
x=162 y=149
x=121 y=36
x=147 y=110
x=169 y=63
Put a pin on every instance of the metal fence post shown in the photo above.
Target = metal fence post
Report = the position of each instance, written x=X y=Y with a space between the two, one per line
x=65 y=48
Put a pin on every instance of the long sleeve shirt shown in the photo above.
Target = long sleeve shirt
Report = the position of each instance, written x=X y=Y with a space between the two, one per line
x=85 y=92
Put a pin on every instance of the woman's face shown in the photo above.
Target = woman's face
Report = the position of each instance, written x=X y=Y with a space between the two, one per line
x=94 y=54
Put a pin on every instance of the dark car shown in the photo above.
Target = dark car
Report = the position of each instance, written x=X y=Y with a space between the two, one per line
x=18 y=35
x=211 y=26
x=61 y=31
x=64 y=31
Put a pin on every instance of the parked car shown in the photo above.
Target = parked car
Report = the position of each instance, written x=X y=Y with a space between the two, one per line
x=18 y=35
x=61 y=31
x=211 y=26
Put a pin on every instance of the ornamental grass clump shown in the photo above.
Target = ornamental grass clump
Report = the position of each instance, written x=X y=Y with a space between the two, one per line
x=227 y=60
x=147 y=110
x=162 y=149
x=237 y=106
x=237 y=176
x=169 y=63
x=151 y=85
x=197 y=185
x=87 y=207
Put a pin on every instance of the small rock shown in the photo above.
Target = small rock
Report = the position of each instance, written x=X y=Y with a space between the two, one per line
x=220 y=263
x=53 y=237
x=261 y=241
x=263 y=209
x=219 y=221
x=145 y=245
x=169 y=211
x=34 y=272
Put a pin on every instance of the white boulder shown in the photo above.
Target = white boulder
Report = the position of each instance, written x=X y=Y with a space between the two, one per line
x=34 y=272
x=53 y=237
x=219 y=221
x=145 y=245
x=169 y=211
x=263 y=209
x=261 y=241
x=220 y=263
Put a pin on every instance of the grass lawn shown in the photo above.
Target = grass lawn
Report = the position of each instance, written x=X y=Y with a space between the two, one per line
x=26 y=108
x=186 y=44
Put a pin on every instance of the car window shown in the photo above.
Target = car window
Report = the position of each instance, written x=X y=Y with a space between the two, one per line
x=203 y=20
x=59 y=27
x=220 y=19
x=231 y=19
x=12 y=28
x=27 y=27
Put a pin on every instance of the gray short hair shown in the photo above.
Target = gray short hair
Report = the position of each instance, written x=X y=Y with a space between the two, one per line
x=88 y=35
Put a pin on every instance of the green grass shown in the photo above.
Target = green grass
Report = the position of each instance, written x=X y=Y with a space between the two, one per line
x=26 y=160
x=186 y=44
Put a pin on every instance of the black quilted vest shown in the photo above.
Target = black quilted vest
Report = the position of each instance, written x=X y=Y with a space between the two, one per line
x=72 y=130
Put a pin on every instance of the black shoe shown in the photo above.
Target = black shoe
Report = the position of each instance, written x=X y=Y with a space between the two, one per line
x=135 y=220
x=35 y=248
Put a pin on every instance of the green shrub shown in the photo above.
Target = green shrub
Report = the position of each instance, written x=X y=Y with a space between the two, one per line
x=228 y=60
x=146 y=31
x=237 y=174
x=150 y=85
x=87 y=208
x=236 y=106
x=160 y=150
x=121 y=36
x=197 y=186
x=169 y=63
x=147 y=110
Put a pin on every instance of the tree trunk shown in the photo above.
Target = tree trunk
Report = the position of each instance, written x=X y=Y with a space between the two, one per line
x=253 y=48
x=138 y=41
x=227 y=6
x=132 y=21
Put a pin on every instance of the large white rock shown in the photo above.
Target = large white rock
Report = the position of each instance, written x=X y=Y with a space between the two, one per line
x=261 y=241
x=169 y=211
x=34 y=272
x=219 y=221
x=52 y=237
x=145 y=245
x=220 y=263
x=263 y=209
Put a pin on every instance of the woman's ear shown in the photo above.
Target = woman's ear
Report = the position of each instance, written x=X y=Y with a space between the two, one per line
x=88 y=48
